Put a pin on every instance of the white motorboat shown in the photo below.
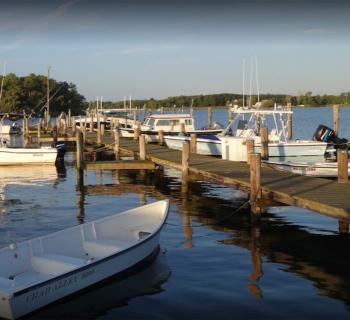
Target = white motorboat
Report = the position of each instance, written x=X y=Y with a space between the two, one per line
x=170 y=124
x=206 y=146
x=37 y=272
x=307 y=168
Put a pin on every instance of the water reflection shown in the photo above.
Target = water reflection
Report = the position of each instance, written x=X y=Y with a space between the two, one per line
x=319 y=258
x=116 y=293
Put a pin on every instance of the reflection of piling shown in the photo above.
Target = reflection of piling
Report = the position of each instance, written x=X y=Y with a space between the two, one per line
x=81 y=196
x=255 y=183
x=257 y=271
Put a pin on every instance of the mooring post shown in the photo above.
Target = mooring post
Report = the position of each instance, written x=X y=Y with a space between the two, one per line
x=102 y=129
x=210 y=117
x=135 y=116
x=142 y=147
x=99 y=137
x=161 y=110
x=229 y=114
x=112 y=127
x=116 y=143
x=193 y=143
x=336 y=119
x=185 y=159
x=91 y=121
x=54 y=134
x=80 y=149
x=83 y=128
x=161 y=137
x=69 y=122
x=289 y=121
x=343 y=226
x=39 y=130
x=264 y=136
x=255 y=183
x=250 y=149
x=137 y=131
x=342 y=158
x=74 y=127
x=182 y=127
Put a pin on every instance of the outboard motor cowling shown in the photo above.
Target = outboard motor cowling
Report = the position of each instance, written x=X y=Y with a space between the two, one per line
x=326 y=134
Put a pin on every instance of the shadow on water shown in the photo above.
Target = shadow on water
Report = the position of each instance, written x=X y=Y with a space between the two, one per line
x=322 y=259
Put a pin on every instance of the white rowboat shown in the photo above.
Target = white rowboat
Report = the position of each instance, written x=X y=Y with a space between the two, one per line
x=11 y=156
x=37 y=272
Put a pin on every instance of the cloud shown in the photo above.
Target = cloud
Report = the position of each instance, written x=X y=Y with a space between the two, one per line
x=318 y=31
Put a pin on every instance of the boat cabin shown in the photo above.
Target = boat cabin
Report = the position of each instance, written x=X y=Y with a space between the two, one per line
x=169 y=122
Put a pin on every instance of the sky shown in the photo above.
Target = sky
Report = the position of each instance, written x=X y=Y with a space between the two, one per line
x=155 y=49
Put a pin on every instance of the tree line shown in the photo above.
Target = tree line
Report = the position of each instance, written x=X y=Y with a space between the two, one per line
x=29 y=93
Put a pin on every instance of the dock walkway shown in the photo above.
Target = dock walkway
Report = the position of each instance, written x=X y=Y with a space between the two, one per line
x=321 y=195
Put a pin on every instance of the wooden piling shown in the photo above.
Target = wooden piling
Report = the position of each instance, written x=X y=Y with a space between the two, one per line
x=255 y=183
x=116 y=144
x=74 y=127
x=182 y=127
x=54 y=134
x=210 y=117
x=185 y=159
x=39 y=130
x=250 y=149
x=342 y=158
x=161 y=137
x=289 y=122
x=91 y=121
x=99 y=136
x=142 y=147
x=193 y=143
x=336 y=119
x=343 y=226
x=80 y=150
x=264 y=143
x=137 y=131
x=102 y=129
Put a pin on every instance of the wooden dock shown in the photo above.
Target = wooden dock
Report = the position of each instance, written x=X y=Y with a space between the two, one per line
x=321 y=195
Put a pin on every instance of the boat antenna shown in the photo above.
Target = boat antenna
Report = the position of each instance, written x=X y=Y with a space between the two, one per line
x=243 y=82
x=257 y=77
x=250 y=82
x=3 y=80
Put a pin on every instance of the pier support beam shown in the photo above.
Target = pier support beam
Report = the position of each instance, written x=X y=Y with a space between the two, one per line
x=137 y=131
x=255 y=184
x=99 y=135
x=342 y=158
x=264 y=143
x=185 y=159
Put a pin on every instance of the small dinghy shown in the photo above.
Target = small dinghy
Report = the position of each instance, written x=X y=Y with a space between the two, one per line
x=37 y=272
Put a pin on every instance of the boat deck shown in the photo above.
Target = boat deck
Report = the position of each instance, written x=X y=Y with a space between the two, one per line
x=320 y=195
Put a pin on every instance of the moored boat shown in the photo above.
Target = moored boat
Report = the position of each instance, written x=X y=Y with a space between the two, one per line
x=37 y=272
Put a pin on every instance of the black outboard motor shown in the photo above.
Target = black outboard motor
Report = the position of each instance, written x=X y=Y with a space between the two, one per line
x=325 y=134
x=61 y=151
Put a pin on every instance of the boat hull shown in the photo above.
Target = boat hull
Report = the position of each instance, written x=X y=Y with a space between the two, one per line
x=40 y=296
x=203 y=146
x=11 y=156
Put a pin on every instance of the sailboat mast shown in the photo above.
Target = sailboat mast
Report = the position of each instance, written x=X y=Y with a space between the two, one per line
x=3 y=80
x=257 y=77
x=243 y=82
x=48 y=90
x=250 y=82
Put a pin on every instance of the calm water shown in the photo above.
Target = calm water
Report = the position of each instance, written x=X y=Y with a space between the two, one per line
x=213 y=262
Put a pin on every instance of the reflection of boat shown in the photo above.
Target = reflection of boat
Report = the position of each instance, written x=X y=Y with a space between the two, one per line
x=170 y=124
x=37 y=272
x=112 y=294
x=307 y=168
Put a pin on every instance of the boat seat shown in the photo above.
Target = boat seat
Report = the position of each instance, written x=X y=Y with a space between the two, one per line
x=55 y=264
x=103 y=247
